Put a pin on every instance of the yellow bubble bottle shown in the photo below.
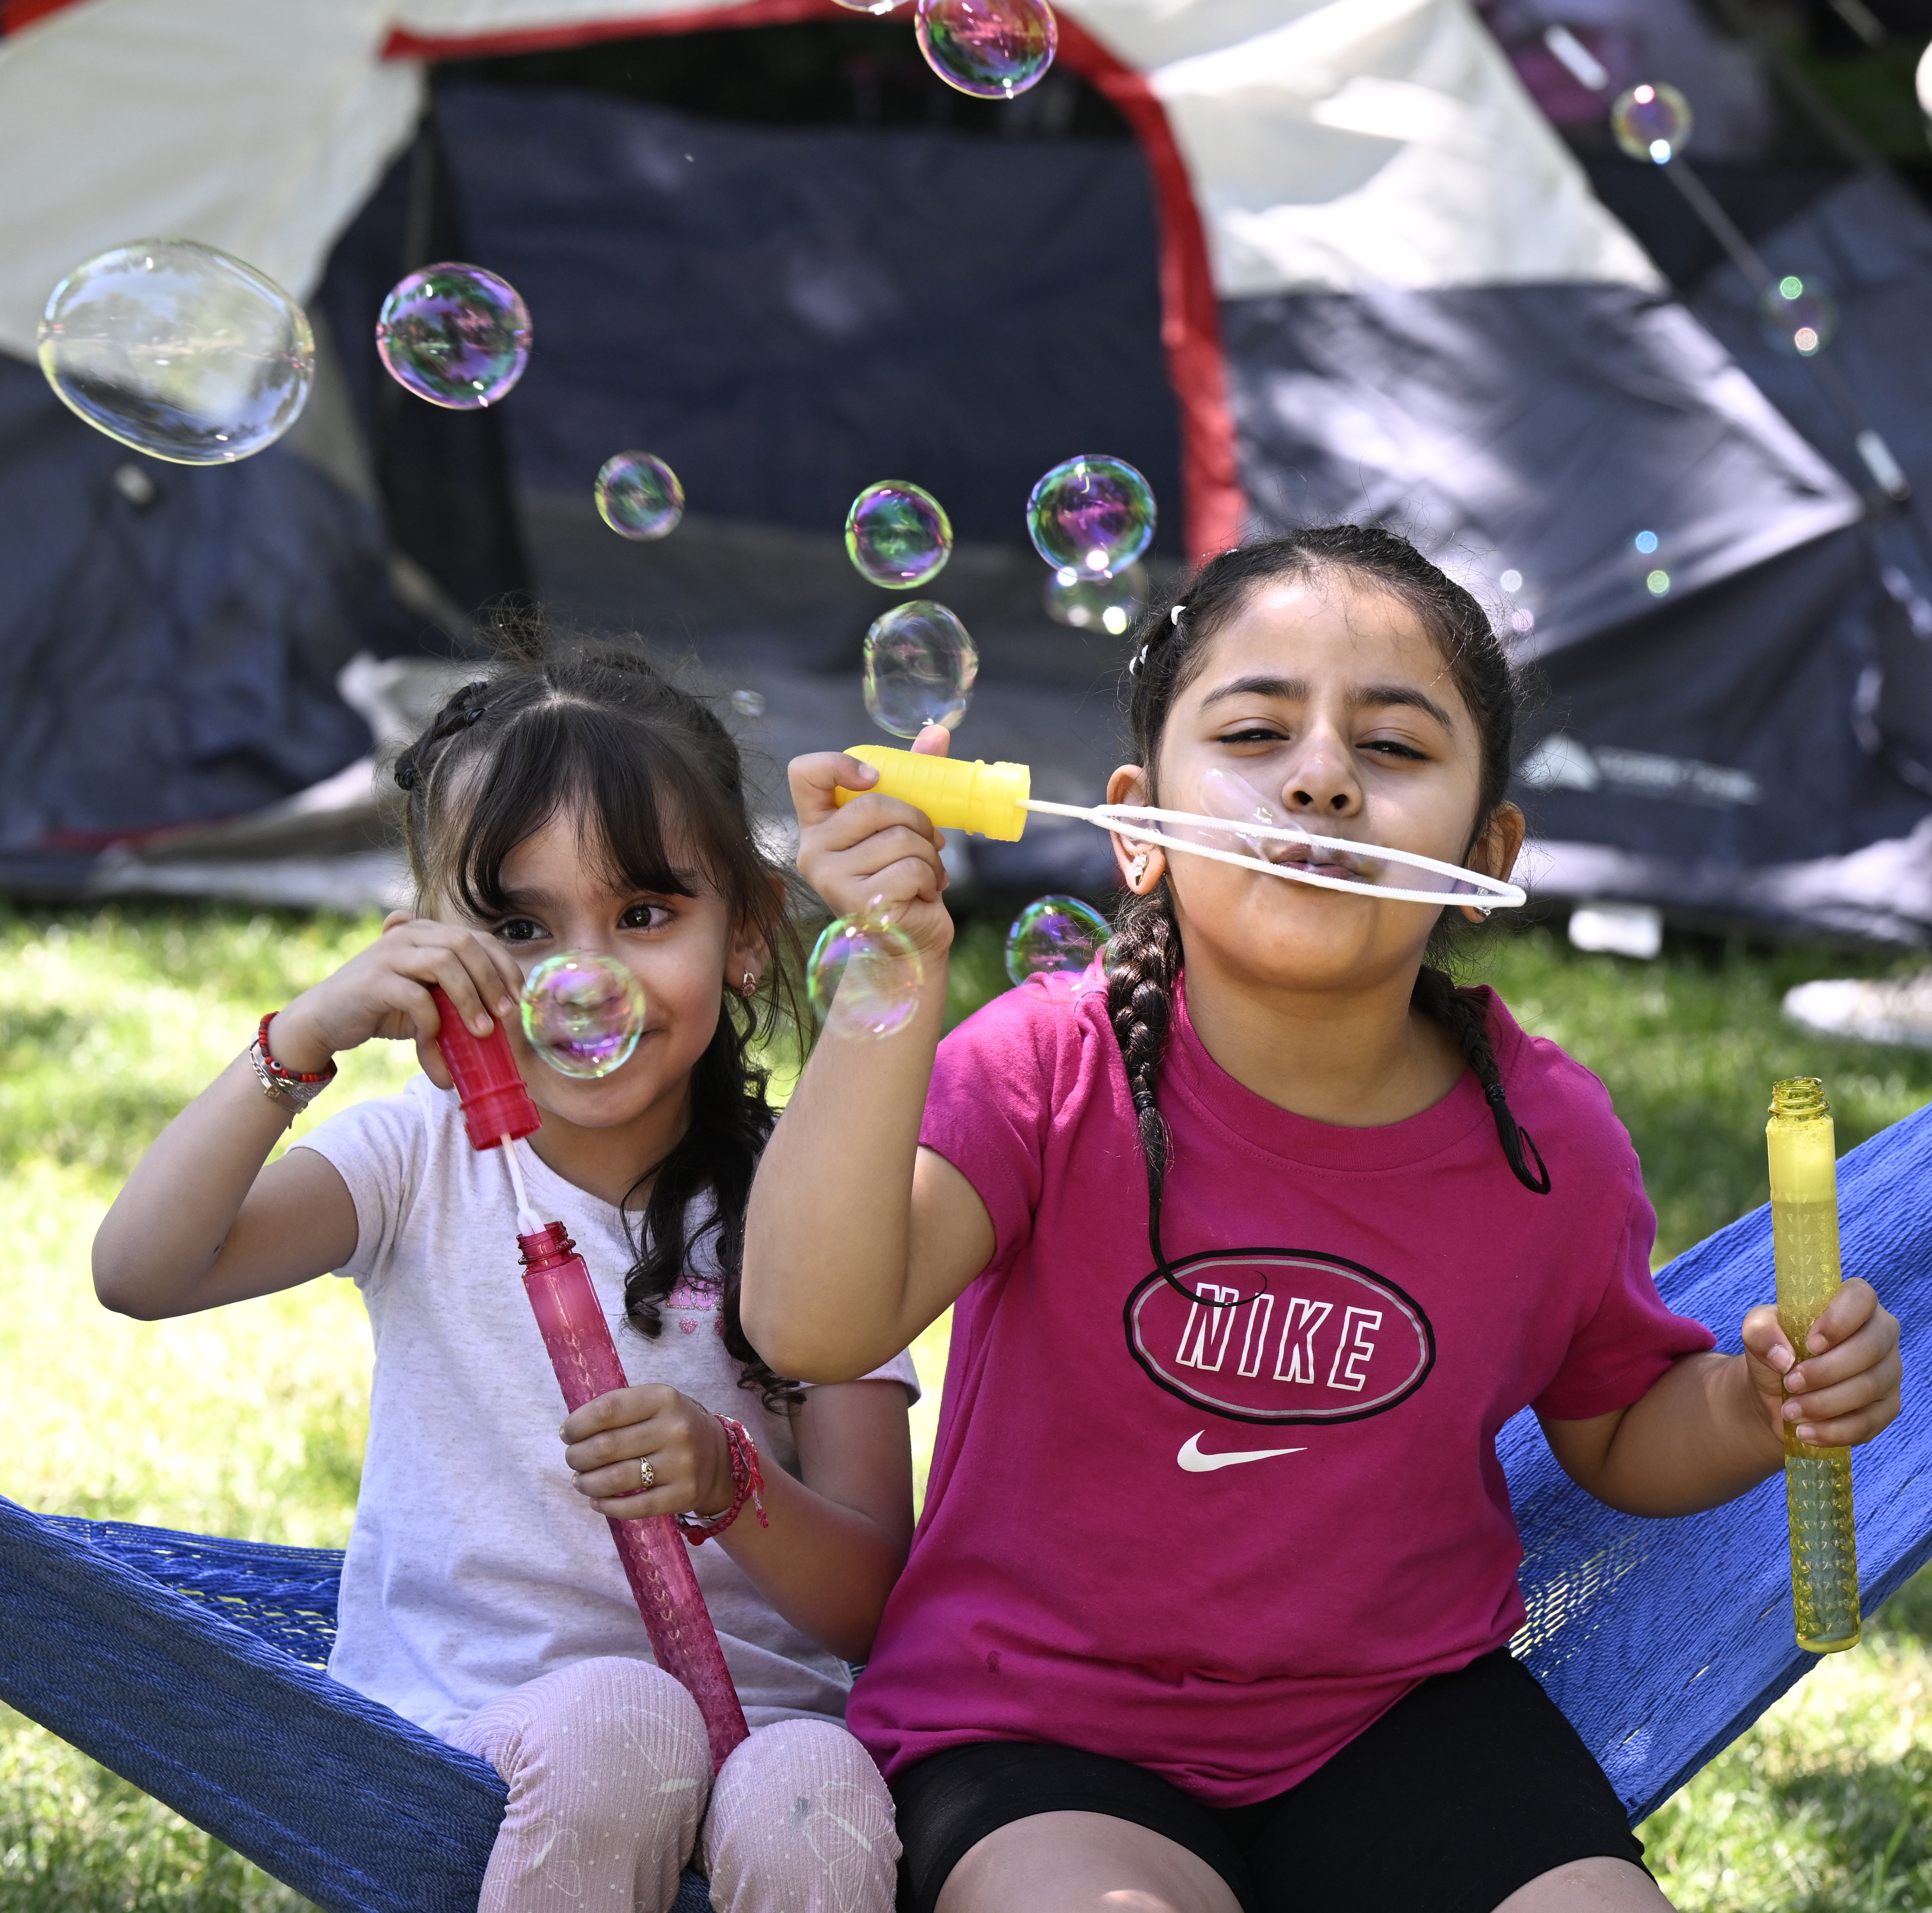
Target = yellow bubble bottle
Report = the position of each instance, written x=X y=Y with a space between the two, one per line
x=1817 y=1481
x=957 y=794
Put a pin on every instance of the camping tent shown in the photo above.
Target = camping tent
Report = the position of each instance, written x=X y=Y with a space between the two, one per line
x=1343 y=266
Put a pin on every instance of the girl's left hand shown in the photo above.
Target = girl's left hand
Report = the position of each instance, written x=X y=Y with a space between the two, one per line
x=1844 y=1388
x=607 y=1442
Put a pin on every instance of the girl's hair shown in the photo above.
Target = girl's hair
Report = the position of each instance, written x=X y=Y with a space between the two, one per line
x=1172 y=640
x=594 y=732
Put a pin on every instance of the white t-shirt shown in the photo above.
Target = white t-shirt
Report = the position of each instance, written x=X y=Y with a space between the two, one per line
x=474 y=1565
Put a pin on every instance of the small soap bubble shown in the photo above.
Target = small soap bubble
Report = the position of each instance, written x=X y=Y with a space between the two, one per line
x=1059 y=941
x=1799 y=315
x=1652 y=123
x=1511 y=581
x=864 y=976
x=1649 y=562
x=749 y=704
x=178 y=350
x=1090 y=603
x=991 y=49
x=583 y=1012
x=919 y=665
x=454 y=335
x=1091 y=515
x=898 y=534
x=638 y=496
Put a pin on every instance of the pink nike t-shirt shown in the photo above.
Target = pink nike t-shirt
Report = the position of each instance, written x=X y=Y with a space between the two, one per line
x=1220 y=1542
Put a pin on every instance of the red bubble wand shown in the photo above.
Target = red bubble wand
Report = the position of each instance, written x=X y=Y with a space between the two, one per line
x=497 y=1109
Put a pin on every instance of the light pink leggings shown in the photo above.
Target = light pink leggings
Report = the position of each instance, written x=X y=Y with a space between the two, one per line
x=609 y=1771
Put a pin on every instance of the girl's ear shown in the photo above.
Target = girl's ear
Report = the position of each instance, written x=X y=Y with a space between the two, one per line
x=749 y=956
x=1498 y=845
x=1141 y=865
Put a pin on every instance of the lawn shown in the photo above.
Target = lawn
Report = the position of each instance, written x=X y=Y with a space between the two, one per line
x=249 y=1421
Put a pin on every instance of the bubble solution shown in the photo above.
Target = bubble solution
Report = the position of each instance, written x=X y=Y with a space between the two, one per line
x=583 y=1012
x=1058 y=941
x=864 y=976
x=454 y=335
x=1089 y=603
x=182 y=351
x=898 y=534
x=1652 y=123
x=919 y=665
x=1091 y=515
x=638 y=496
x=991 y=49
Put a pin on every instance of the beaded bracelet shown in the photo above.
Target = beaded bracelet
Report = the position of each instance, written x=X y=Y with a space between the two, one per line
x=748 y=1485
x=294 y=1089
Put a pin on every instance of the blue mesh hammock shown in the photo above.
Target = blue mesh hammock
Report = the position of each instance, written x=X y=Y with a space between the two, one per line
x=194 y=1667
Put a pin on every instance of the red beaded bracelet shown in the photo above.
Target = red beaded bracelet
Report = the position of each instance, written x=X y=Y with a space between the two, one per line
x=748 y=1485
x=293 y=1090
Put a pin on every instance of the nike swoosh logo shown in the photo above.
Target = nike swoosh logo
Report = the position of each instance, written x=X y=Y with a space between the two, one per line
x=1191 y=1458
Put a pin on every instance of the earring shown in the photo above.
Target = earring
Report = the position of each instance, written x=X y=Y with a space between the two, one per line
x=749 y=987
x=1476 y=913
x=1138 y=869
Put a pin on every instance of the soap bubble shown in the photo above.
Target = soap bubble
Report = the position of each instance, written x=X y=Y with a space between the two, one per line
x=919 y=666
x=583 y=1012
x=991 y=49
x=454 y=335
x=181 y=351
x=1652 y=123
x=1799 y=315
x=1091 y=515
x=1089 y=603
x=1059 y=940
x=898 y=534
x=1650 y=563
x=749 y=704
x=864 y=976
x=638 y=496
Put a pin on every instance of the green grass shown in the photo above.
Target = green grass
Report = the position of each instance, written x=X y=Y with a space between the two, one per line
x=250 y=1421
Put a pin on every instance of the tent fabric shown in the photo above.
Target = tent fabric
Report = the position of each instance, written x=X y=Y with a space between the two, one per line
x=191 y=1665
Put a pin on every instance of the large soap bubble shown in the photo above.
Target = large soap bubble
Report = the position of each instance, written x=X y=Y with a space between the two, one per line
x=1090 y=603
x=898 y=534
x=181 y=351
x=638 y=496
x=991 y=49
x=1652 y=123
x=1799 y=315
x=1091 y=515
x=454 y=335
x=864 y=976
x=919 y=665
x=1058 y=940
x=583 y=1012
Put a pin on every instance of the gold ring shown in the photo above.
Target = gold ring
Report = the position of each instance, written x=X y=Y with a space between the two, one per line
x=648 y=1473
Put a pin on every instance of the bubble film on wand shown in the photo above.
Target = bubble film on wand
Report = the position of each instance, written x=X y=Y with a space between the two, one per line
x=994 y=799
x=497 y=1111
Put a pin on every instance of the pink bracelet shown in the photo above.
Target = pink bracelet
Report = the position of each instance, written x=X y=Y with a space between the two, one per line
x=748 y=1485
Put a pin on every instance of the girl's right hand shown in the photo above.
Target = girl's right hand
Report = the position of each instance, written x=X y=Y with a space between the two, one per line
x=385 y=991
x=873 y=850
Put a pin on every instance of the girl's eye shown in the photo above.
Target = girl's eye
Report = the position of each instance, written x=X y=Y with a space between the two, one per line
x=1258 y=734
x=1388 y=747
x=520 y=930
x=644 y=917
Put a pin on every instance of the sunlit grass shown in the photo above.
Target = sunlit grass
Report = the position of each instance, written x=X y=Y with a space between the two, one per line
x=250 y=1421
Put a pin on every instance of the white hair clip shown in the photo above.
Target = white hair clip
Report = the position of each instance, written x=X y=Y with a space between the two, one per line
x=1134 y=663
x=1174 y=616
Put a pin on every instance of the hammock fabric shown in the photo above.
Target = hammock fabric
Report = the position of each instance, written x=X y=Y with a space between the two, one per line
x=194 y=1667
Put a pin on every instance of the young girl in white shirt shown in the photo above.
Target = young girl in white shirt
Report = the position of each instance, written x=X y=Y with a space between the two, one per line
x=585 y=803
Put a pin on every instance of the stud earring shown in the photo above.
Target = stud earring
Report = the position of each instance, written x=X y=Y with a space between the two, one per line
x=1476 y=913
x=749 y=987
x=1138 y=869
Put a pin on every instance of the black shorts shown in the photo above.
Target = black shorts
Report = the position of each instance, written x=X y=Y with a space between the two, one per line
x=1469 y=1787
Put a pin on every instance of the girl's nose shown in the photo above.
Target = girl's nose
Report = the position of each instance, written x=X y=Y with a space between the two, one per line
x=1322 y=782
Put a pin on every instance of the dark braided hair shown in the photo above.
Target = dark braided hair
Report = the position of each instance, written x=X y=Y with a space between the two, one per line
x=1171 y=641
x=563 y=725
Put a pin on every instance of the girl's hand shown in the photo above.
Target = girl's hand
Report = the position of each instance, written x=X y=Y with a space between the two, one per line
x=384 y=991
x=874 y=848
x=1843 y=1388
x=608 y=1440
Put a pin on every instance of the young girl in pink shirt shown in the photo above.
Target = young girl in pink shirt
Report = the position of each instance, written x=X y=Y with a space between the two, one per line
x=1253 y=1255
